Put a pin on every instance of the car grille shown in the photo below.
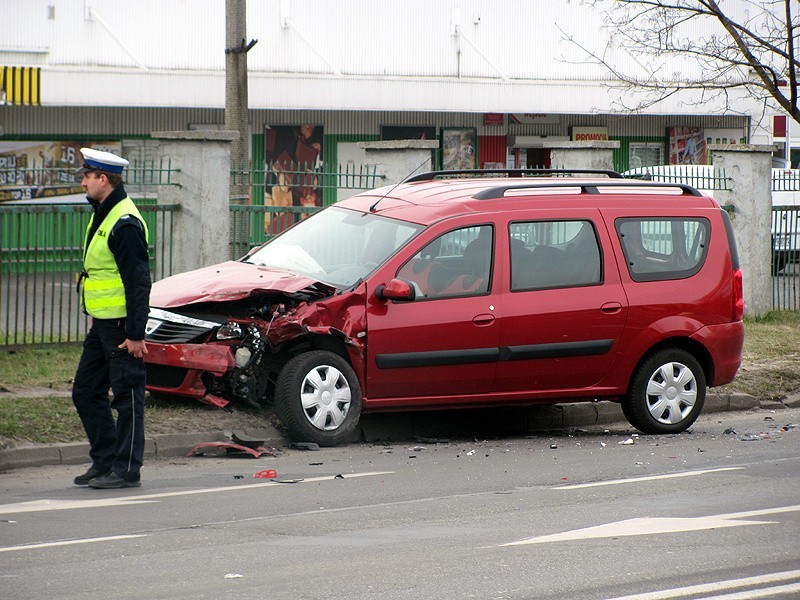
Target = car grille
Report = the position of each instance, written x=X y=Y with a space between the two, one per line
x=165 y=376
x=175 y=333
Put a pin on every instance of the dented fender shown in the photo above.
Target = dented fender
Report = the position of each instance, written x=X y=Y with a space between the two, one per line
x=343 y=316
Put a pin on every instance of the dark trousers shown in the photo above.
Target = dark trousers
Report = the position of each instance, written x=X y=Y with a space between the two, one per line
x=116 y=445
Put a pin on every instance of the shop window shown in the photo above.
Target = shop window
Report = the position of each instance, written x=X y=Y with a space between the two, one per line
x=645 y=154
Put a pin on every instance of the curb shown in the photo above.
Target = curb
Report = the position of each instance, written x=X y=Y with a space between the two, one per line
x=394 y=427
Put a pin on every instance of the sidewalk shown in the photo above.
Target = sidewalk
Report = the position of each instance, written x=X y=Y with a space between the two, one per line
x=389 y=427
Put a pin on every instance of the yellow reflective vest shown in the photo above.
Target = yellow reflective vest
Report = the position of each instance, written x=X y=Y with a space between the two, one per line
x=103 y=291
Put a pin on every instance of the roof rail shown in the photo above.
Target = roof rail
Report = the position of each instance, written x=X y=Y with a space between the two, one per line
x=431 y=175
x=586 y=188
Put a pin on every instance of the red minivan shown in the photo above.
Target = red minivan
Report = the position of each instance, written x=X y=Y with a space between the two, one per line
x=456 y=290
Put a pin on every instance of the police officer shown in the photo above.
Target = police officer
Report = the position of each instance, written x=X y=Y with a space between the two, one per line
x=115 y=292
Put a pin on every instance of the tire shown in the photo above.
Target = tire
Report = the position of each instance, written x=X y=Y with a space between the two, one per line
x=667 y=393
x=318 y=398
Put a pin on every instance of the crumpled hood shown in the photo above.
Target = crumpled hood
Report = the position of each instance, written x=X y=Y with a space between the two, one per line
x=226 y=282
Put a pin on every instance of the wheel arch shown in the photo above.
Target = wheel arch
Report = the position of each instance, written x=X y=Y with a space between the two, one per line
x=693 y=347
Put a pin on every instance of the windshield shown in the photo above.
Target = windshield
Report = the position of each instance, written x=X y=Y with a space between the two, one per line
x=335 y=246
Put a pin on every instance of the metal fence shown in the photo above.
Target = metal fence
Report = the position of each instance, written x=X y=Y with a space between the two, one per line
x=40 y=255
x=41 y=244
x=785 y=257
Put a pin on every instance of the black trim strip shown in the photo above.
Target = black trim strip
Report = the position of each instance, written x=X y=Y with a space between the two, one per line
x=469 y=356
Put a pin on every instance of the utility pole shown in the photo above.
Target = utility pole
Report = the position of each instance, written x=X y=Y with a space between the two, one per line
x=236 y=103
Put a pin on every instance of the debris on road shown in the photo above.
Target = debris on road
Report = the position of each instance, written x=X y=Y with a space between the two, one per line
x=307 y=446
x=239 y=446
x=266 y=474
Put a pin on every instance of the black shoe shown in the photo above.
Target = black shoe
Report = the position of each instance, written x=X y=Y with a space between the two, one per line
x=112 y=481
x=91 y=474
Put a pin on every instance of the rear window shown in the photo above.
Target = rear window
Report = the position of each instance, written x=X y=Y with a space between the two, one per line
x=660 y=249
x=553 y=254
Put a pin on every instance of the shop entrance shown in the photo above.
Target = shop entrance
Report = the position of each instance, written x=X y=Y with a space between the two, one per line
x=529 y=158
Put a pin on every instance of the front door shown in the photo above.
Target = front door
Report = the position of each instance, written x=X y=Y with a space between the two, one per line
x=443 y=345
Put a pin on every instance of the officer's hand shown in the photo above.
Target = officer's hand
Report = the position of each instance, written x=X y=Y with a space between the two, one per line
x=137 y=348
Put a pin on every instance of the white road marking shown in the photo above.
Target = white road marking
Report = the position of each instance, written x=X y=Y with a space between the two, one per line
x=654 y=526
x=69 y=542
x=46 y=505
x=578 y=486
x=720 y=586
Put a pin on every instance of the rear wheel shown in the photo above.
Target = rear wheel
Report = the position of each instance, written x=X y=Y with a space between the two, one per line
x=318 y=398
x=666 y=393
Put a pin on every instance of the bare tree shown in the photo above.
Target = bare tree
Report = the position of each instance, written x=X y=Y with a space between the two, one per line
x=721 y=45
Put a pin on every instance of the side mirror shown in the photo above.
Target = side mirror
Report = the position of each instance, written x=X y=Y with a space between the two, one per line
x=399 y=290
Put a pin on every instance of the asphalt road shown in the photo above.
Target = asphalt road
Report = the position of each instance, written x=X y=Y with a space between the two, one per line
x=591 y=514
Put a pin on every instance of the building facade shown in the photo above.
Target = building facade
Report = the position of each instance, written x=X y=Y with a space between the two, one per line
x=492 y=80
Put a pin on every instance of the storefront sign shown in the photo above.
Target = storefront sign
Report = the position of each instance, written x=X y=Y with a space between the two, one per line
x=583 y=134
x=493 y=119
x=533 y=118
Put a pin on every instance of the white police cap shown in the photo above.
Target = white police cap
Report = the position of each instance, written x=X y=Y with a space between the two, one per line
x=97 y=160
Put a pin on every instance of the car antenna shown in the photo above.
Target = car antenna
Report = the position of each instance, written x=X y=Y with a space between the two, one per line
x=372 y=208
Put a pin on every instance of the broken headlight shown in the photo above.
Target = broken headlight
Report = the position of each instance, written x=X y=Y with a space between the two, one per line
x=230 y=331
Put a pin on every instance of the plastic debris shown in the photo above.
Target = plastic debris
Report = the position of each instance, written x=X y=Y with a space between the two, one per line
x=304 y=446
x=426 y=440
x=789 y=427
x=239 y=446
x=750 y=438
x=339 y=476
x=730 y=431
x=628 y=442
x=233 y=576
x=266 y=474
x=553 y=446
x=471 y=452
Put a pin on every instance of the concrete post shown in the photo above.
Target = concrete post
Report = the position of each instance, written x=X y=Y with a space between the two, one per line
x=201 y=227
x=748 y=168
x=588 y=154
x=398 y=159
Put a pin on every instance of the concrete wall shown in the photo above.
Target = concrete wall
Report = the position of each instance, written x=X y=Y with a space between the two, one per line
x=582 y=155
x=201 y=227
x=748 y=168
x=399 y=159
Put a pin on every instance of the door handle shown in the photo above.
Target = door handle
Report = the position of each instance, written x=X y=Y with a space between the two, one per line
x=483 y=320
x=611 y=308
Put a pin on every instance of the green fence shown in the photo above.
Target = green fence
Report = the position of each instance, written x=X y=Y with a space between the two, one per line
x=40 y=255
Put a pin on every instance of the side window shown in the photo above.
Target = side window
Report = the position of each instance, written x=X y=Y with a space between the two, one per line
x=660 y=249
x=457 y=263
x=549 y=254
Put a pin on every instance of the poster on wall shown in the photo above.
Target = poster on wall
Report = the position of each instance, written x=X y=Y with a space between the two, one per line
x=687 y=146
x=459 y=149
x=293 y=157
x=36 y=171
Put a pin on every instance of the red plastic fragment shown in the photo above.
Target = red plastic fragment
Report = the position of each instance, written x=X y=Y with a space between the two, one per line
x=214 y=400
x=266 y=474
x=230 y=448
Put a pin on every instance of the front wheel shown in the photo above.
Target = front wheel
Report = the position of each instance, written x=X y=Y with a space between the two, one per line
x=318 y=398
x=666 y=394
